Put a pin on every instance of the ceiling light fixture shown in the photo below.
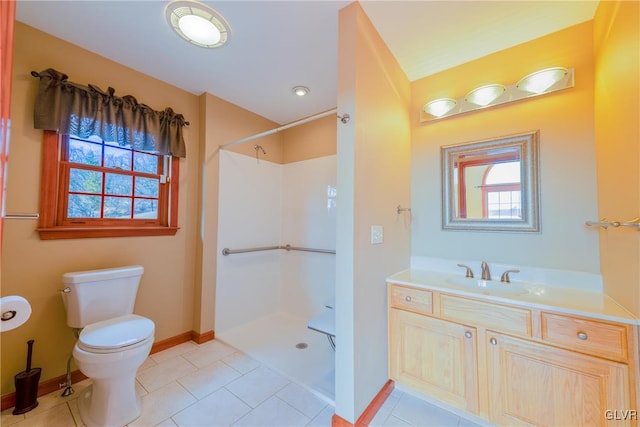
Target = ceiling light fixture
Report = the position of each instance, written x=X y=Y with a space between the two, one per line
x=539 y=83
x=300 y=90
x=197 y=23
x=485 y=95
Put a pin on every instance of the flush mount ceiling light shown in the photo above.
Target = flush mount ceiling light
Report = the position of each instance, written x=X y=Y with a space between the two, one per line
x=542 y=80
x=485 y=95
x=197 y=23
x=440 y=107
x=535 y=84
x=300 y=90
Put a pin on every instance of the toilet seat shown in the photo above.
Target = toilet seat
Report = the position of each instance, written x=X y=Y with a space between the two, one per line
x=117 y=334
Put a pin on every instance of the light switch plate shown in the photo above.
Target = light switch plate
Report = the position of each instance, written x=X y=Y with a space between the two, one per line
x=376 y=234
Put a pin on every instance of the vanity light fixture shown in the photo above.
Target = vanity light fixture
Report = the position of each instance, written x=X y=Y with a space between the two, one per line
x=440 y=107
x=485 y=95
x=300 y=90
x=542 y=80
x=539 y=83
x=197 y=23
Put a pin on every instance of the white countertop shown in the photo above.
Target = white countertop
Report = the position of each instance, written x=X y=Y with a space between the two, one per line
x=556 y=298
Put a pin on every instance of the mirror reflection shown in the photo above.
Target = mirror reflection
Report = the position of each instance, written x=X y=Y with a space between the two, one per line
x=491 y=185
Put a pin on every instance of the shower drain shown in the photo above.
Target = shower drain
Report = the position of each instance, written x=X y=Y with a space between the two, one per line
x=302 y=345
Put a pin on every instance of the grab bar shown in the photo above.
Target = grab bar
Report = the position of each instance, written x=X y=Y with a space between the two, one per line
x=21 y=216
x=604 y=223
x=227 y=251
x=295 y=248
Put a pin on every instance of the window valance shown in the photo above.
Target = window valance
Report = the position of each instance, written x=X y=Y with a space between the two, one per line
x=71 y=108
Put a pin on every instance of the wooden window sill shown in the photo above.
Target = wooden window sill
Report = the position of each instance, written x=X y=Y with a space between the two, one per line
x=55 y=233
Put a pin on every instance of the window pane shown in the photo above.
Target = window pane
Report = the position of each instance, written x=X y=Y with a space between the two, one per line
x=84 y=181
x=145 y=208
x=148 y=187
x=143 y=162
x=118 y=184
x=84 y=152
x=81 y=206
x=117 y=207
x=117 y=158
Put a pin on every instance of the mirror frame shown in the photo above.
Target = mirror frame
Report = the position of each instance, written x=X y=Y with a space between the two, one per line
x=527 y=143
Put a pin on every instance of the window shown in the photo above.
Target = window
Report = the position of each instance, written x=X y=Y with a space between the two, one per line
x=501 y=191
x=96 y=188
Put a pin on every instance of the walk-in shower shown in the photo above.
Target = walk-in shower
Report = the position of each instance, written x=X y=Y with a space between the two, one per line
x=277 y=224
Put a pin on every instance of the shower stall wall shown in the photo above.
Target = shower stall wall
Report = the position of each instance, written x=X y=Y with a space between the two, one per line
x=264 y=299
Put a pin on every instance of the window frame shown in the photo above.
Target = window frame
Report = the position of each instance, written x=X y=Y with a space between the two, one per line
x=52 y=202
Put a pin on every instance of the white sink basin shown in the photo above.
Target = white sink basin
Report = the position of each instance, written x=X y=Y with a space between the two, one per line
x=490 y=286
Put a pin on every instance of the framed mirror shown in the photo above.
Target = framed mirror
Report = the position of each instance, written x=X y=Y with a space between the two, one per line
x=491 y=185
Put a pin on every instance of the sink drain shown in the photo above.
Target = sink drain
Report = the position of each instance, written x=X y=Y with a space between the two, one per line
x=302 y=345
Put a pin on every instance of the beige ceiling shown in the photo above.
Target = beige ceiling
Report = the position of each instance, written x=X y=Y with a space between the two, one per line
x=275 y=45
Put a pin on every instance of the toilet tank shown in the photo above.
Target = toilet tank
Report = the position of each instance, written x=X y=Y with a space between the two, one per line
x=95 y=295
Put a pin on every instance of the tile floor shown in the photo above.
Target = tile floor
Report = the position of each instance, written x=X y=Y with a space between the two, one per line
x=213 y=384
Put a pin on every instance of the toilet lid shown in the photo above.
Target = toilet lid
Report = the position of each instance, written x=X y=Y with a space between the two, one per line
x=116 y=333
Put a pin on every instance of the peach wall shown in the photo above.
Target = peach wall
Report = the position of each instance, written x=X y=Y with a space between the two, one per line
x=373 y=178
x=310 y=140
x=33 y=268
x=617 y=40
x=567 y=155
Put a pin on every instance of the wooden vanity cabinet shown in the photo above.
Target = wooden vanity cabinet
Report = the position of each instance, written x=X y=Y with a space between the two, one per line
x=512 y=364
x=436 y=357
x=539 y=385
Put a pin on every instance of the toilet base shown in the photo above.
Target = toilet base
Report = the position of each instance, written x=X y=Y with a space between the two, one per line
x=98 y=408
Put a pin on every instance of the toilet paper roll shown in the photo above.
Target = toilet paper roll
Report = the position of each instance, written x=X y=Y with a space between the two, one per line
x=15 y=311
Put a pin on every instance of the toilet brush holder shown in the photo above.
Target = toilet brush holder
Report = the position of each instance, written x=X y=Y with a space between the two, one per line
x=26 y=383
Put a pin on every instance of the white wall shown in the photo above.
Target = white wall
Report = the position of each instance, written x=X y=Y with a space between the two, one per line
x=374 y=155
x=249 y=215
x=309 y=220
x=267 y=204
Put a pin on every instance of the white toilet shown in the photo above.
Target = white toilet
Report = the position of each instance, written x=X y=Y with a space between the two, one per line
x=113 y=342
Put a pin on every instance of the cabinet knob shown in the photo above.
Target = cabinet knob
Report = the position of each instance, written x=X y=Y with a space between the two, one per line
x=493 y=341
x=407 y=298
x=468 y=334
x=582 y=335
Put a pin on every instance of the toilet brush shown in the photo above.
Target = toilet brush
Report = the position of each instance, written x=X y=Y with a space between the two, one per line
x=27 y=385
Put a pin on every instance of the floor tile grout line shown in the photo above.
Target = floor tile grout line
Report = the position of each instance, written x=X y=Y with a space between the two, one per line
x=291 y=406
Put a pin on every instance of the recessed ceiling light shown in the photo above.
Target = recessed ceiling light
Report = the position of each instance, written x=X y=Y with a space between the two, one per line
x=197 y=23
x=300 y=90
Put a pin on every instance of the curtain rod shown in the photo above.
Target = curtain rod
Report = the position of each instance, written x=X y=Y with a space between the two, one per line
x=281 y=128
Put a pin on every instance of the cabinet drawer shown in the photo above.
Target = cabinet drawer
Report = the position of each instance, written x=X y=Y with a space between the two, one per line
x=418 y=300
x=590 y=336
x=494 y=316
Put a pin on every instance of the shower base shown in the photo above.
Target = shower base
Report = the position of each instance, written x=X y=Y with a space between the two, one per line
x=277 y=340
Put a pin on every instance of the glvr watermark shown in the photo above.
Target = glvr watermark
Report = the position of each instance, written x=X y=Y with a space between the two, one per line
x=621 y=414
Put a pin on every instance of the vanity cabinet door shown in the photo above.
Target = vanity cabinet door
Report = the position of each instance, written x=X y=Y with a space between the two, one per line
x=434 y=357
x=539 y=385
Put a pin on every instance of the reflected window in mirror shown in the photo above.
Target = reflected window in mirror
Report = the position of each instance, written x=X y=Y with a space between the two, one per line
x=491 y=185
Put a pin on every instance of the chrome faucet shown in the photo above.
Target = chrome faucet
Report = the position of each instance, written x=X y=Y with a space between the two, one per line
x=486 y=275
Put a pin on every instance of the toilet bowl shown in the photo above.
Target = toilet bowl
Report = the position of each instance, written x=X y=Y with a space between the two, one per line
x=110 y=353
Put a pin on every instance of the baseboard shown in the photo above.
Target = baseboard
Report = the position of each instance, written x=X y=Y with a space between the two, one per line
x=182 y=338
x=202 y=338
x=371 y=410
x=49 y=386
